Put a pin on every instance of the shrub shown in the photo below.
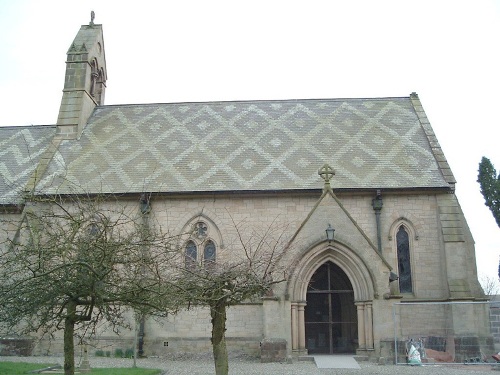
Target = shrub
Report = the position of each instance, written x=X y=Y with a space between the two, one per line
x=129 y=353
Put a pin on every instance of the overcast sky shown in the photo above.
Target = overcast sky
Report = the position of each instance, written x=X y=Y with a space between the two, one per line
x=158 y=51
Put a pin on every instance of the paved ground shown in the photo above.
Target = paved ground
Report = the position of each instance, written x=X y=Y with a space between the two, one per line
x=336 y=361
x=204 y=366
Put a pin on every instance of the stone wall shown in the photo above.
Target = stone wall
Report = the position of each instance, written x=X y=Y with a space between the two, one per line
x=189 y=331
x=16 y=346
x=273 y=350
x=495 y=323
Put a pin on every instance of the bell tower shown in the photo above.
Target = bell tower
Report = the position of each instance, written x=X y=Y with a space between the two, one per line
x=85 y=80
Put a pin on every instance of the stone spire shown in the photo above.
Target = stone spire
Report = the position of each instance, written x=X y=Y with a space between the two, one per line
x=85 y=81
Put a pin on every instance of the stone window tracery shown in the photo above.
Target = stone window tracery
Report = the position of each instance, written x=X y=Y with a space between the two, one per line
x=200 y=249
x=201 y=230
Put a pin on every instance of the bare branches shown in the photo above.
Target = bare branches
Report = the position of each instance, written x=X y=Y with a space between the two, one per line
x=251 y=270
x=88 y=251
x=80 y=260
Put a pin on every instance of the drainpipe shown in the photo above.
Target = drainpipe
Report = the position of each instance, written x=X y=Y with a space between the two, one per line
x=377 y=207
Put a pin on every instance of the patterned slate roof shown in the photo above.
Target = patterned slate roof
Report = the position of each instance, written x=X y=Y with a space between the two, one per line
x=21 y=148
x=252 y=145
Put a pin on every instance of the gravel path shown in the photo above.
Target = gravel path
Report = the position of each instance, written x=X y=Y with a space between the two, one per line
x=254 y=367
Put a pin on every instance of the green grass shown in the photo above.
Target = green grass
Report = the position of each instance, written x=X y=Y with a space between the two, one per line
x=125 y=371
x=18 y=368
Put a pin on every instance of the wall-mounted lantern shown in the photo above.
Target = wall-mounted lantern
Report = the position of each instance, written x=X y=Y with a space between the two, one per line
x=330 y=232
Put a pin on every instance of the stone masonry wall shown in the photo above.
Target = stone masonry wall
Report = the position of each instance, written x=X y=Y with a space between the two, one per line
x=190 y=330
x=495 y=323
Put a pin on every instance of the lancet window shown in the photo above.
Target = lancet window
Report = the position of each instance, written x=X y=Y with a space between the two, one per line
x=404 y=260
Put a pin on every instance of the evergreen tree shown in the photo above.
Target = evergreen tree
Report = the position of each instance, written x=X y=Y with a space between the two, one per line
x=490 y=188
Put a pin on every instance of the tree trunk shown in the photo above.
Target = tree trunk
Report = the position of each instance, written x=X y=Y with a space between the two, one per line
x=69 y=345
x=218 y=313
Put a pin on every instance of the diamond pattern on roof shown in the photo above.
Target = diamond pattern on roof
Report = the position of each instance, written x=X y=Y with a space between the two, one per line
x=20 y=150
x=256 y=145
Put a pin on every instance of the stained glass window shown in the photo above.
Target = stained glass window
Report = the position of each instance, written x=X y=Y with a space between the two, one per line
x=209 y=255
x=404 y=265
x=191 y=254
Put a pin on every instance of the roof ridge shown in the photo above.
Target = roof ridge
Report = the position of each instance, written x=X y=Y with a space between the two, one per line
x=257 y=101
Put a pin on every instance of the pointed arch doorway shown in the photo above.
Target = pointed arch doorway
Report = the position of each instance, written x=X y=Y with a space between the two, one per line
x=331 y=324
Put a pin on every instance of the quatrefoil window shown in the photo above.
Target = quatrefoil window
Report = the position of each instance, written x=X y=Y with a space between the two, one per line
x=200 y=230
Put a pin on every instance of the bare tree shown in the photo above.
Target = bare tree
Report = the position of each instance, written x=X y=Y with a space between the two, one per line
x=490 y=285
x=75 y=261
x=250 y=272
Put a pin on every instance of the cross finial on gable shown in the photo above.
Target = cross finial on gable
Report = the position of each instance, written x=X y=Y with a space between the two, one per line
x=326 y=173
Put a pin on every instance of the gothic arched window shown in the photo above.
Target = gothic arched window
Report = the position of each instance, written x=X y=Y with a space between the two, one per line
x=209 y=255
x=201 y=248
x=191 y=254
x=404 y=264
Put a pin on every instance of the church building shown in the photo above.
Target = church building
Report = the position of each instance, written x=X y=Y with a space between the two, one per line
x=362 y=184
